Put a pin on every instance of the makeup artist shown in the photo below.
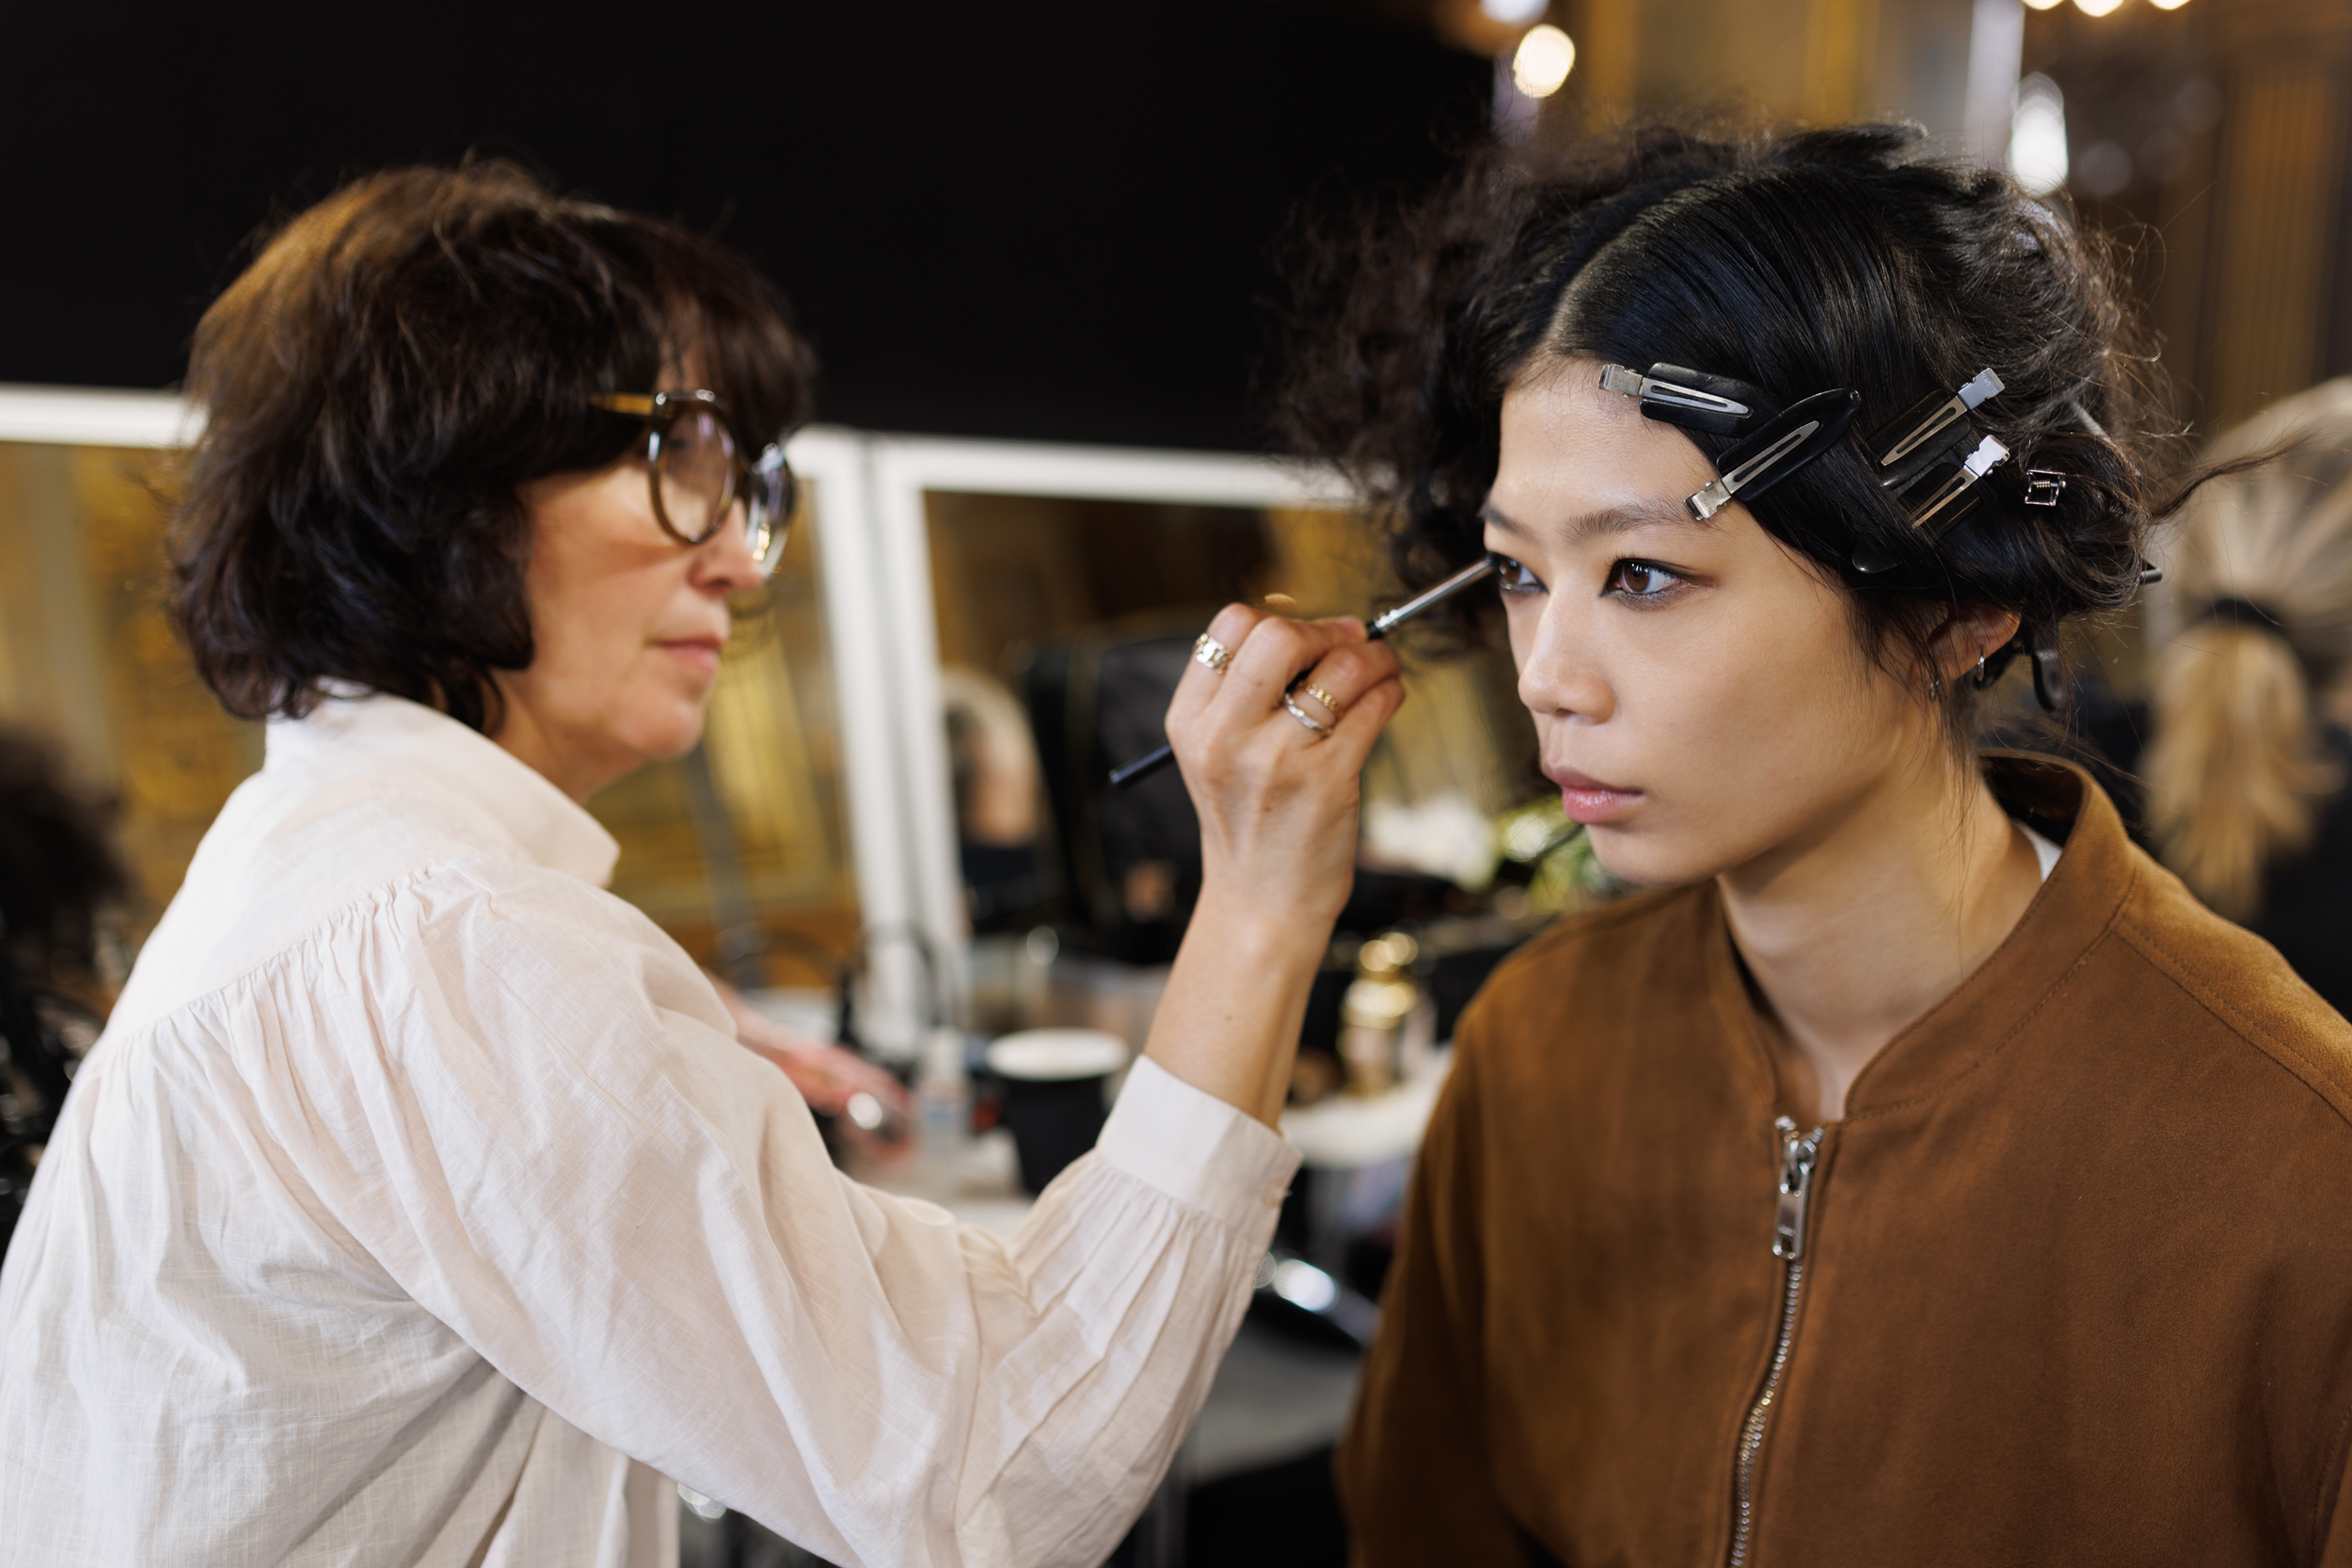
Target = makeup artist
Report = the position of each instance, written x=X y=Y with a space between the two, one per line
x=418 y=1205
x=1915 y=1172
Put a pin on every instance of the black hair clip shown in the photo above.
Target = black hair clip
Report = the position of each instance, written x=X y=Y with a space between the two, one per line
x=2040 y=648
x=1951 y=498
x=1773 y=442
x=1779 y=448
x=1906 y=446
x=1932 y=459
x=1693 y=399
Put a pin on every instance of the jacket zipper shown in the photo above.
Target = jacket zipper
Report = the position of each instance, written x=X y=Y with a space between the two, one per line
x=1798 y=1155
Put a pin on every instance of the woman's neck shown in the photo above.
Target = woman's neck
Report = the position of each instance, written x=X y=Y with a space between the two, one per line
x=1853 y=931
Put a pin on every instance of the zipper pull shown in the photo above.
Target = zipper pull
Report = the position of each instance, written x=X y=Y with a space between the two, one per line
x=1797 y=1156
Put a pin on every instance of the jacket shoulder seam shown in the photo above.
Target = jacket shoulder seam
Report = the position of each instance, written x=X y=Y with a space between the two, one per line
x=2296 y=1063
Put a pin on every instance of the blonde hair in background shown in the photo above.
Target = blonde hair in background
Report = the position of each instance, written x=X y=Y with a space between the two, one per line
x=2239 y=766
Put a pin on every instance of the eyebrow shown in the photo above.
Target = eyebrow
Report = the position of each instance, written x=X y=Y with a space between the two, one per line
x=1595 y=525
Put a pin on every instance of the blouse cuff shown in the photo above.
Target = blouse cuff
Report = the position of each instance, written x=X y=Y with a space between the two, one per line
x=1197 y=1148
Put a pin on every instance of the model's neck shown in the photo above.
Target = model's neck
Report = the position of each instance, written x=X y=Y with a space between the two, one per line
x=1872 y=918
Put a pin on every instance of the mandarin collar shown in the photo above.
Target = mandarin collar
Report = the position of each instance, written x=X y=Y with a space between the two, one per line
x=2074 y=907
x=383 y=738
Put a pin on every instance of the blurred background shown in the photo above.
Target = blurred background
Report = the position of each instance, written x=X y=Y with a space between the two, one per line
x=1033 y=242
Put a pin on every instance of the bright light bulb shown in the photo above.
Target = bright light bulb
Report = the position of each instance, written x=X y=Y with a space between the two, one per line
x=2037 y=135
x=2042 y=5
x=1517 y=13
x=1545 y=58
x=2096 y=7
x=2168 y=5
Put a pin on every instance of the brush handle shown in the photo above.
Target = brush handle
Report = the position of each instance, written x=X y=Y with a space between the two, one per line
x=1143 y=767
x=1134 y=773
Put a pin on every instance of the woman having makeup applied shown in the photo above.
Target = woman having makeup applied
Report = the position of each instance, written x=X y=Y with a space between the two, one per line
x=1915 y=1171
x=418 y=1205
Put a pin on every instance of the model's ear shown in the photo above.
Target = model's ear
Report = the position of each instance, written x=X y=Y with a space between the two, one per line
x=1971 y=634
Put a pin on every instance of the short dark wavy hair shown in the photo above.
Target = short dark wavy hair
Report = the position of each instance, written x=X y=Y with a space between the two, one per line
x=395 y=364
x=1796 y=263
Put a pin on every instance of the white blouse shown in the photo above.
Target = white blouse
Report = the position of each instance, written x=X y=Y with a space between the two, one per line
x=419 y=1207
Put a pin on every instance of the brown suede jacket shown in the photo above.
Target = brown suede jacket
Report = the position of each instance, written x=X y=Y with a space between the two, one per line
x=2072 y=1278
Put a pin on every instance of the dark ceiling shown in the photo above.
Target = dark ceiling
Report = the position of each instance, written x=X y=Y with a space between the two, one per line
x=1044 y=219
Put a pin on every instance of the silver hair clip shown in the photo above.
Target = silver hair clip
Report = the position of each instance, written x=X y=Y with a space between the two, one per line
x=1929 y=420
x=1692 y=399
x=2043 y=486
x=1938 y=512
x=1785 y=444
x=1932 y=459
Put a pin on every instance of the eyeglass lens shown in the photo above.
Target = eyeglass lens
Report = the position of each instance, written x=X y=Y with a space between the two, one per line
x=695 y=479
x=769 y=513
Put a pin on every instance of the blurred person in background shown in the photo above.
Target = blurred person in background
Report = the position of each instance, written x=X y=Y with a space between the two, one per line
x=993 y=764
x=418 y=1205
x=1915 y=1171
x=59 y=878
x=2246 y=762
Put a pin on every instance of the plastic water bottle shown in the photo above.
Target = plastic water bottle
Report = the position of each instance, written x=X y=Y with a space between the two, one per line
x=943 y=1101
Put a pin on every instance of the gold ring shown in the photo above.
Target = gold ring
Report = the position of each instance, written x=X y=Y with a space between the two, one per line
x=1211 y=655
x=1321 y=730
x=1326 y=699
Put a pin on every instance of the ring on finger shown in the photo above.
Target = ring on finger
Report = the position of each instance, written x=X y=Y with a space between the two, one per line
x=1321 y=730
x=1211 y=653
x=1333 y=704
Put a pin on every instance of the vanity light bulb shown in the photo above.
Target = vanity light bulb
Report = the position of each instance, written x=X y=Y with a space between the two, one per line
x=2096 y=7
x=1545 y=58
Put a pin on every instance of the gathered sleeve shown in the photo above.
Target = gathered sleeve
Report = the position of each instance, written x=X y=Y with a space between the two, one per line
x=526 y=1106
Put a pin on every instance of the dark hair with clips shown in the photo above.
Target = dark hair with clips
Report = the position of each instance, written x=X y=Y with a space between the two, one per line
x=1841 y=258
x=398 y=360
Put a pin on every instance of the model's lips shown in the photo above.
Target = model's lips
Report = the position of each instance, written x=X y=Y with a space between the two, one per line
x=1587 y=800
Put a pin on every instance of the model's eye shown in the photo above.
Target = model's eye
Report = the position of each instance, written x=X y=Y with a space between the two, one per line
x=1640 y=579
x=1515 y=578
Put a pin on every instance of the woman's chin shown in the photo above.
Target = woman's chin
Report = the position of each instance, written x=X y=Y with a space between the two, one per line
x=1647 y=859
x=668 y=735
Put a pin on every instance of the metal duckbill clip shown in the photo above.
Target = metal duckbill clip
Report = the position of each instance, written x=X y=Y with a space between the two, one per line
x=1944 y=505
x=1933 y=458
x=1784 y=444
x=1923 y=423
x=1693 y=399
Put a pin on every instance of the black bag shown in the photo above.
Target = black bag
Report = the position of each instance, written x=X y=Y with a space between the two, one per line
x=1130 y=859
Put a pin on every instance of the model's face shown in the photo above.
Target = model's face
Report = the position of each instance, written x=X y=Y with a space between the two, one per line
x=627 y=625
x=1697 y=689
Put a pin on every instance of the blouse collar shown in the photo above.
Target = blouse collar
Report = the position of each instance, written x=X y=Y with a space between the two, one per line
x=395 y=740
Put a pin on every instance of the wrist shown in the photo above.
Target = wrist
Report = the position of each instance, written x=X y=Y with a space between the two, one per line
x=1249 y=926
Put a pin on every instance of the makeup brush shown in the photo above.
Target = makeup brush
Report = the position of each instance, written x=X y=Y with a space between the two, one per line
x=1152 y=762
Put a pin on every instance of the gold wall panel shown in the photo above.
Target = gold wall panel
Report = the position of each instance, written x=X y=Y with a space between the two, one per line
x=89 y=661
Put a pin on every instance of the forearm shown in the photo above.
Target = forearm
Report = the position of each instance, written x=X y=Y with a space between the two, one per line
x=1227 y=1024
